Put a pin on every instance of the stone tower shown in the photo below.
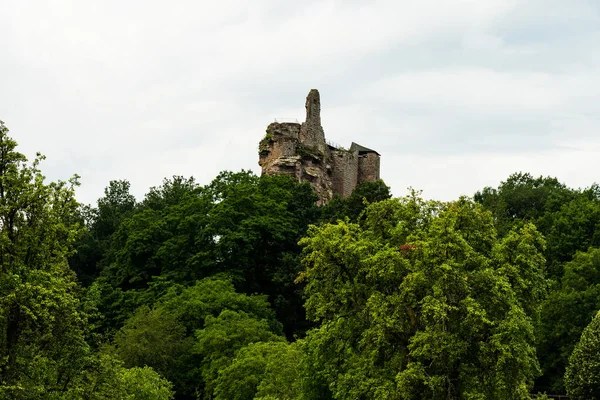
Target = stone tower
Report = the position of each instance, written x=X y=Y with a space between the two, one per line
x=300 y=150
x=311 y=131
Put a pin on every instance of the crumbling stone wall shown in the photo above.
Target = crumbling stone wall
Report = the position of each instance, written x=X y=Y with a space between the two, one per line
x=345 y=171
x=300 y=150
x=368 y=167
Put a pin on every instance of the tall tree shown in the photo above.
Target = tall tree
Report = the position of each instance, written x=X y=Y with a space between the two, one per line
x=422 y=300
x=569 y=219
x=259 y=222
x=565 y=314
x=245 y=226
x=101 y=223
x=41 y=325
x=523 y=198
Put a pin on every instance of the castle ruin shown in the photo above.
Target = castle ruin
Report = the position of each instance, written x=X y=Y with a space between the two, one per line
x=300 y=150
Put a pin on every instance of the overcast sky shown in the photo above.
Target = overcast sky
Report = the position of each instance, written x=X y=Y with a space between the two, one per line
x=455 y=95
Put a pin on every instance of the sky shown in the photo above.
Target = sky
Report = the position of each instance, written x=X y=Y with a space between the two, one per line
x=455 y=95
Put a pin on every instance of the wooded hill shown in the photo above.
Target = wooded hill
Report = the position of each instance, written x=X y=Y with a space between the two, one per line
x=244 y=289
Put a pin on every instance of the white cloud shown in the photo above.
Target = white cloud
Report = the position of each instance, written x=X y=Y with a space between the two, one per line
x=473 y=89
x=447 y=177
x=147 y=89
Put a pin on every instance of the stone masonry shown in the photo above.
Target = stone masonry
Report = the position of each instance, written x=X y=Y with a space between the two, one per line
x=300 y=150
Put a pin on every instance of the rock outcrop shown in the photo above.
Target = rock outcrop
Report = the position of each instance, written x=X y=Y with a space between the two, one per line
x=300 y=150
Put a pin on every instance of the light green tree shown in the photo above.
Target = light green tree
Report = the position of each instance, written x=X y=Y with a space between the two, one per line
x=222 y=337
x=284 y=374
x=106 y=378
x=43 y=323
x=582 y=378
x=42 y=342
x=240 y=380
x=422 y=300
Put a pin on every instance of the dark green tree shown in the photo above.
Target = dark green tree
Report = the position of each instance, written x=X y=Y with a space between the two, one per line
x=101 y=222
x=241 y=225
x=575 y=226
x=259 y=222
x=570 y=222
x=163 y=337
x=524 y=198
x=366 y=193
x=568 y=218
x=153 y=337
x=166 y=241
x=565 y=314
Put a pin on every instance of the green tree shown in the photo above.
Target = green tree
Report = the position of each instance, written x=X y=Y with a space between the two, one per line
x=222 y=337
x=241 y=225
x=152 y=337
x=524 y=198
x=570 y=222
x=285 y=374
x=166 y=237
x=145 y=384
x=101 y=223
x=575 y=226
x=582 y=378
x=340 y=208
x=165 y=242
x=209 y=297
x=240 y=380
x=565 y=314
x=106 y=378
x=422 y=300
x=42 y=344
x=259 y=222
x=163 y=336
x=569 y=219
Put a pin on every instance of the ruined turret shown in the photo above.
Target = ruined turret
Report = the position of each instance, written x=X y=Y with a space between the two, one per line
x=300 y=150
x=311 y=132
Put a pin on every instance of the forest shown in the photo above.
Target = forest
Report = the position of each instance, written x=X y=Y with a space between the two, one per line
x=244 y=289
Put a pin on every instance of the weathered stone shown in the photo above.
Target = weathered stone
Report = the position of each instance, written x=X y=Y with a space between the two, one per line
x=314 y=172
x=345 y=167
x=302 y=152
x=311 y=133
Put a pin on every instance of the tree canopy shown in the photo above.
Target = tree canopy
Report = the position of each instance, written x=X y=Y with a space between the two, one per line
x=423 y=300
x=43 y=322
x=242 y=288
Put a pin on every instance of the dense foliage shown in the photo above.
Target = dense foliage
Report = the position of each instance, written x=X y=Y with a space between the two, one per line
x=244 y=289
x=570 y=221
x=583 y=372
x=43 y=320
x=424 y=301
